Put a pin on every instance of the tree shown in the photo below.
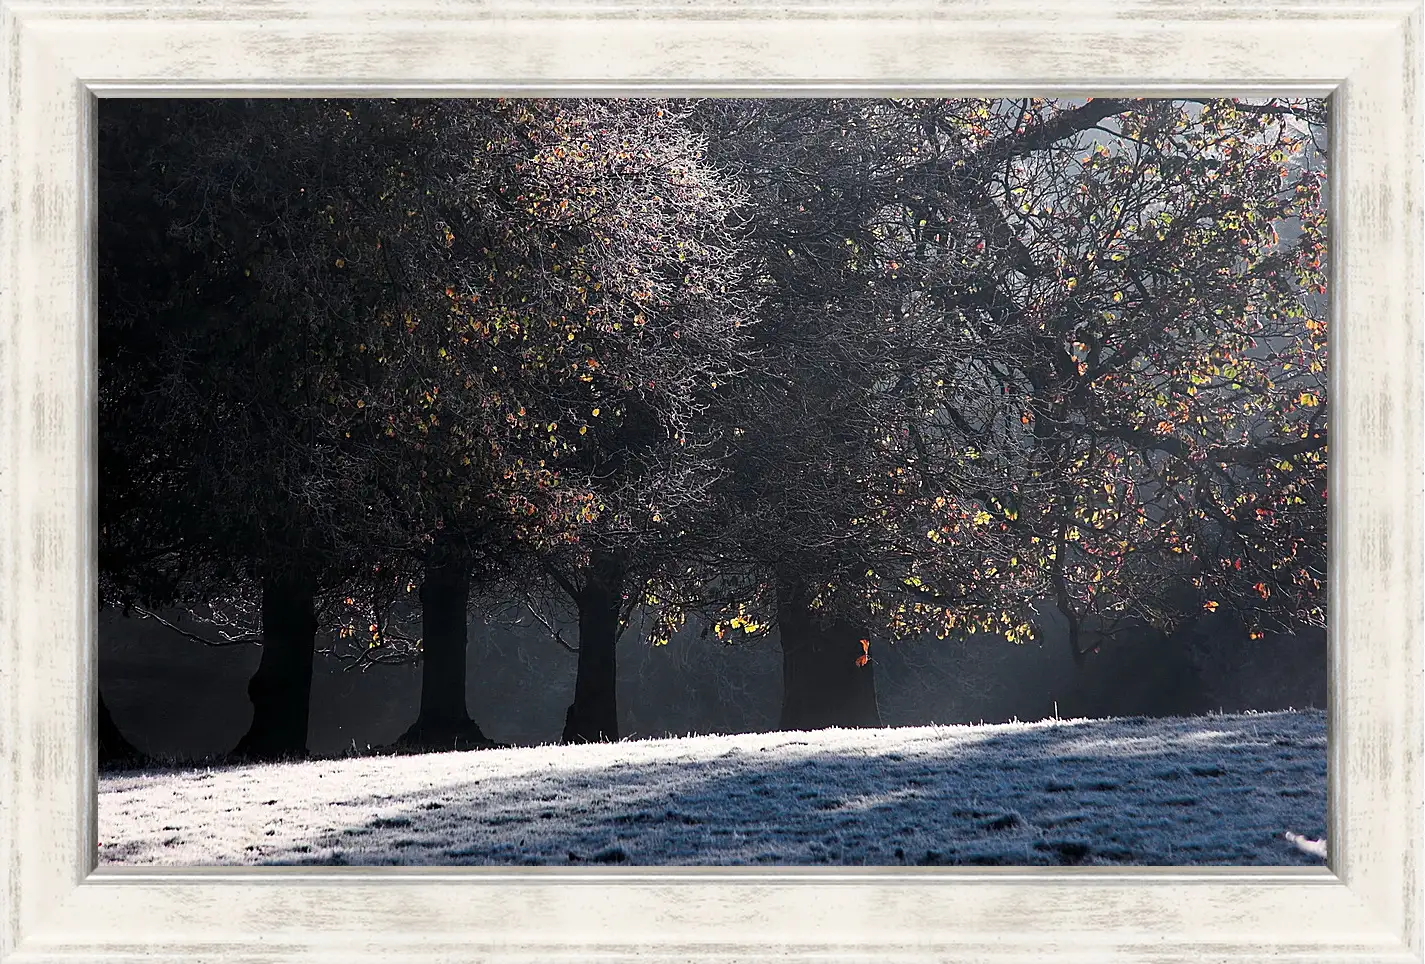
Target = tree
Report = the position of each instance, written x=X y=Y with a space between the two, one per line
x=632 y=245
x=114 y=749
x=1170 y=356
x=1026 y=350
x=394 y=330
x=226 y=322
x=851 y=351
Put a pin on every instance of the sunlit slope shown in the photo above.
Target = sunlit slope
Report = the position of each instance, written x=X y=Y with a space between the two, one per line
x=1200 y=790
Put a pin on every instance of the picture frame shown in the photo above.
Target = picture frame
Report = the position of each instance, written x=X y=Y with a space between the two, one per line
x=59 y=55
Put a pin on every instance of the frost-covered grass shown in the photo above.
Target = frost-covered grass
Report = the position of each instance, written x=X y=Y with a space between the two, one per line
x=1201 y=790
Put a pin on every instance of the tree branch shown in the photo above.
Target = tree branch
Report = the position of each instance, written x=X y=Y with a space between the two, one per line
x=225 y=641
x=553 y=632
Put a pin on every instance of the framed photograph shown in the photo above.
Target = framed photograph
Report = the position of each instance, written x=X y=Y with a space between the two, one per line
x=1088 y=165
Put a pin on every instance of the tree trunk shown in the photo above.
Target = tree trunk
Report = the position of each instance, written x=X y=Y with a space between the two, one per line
x=593 y=716
x=114 y=747
x=825 y=681
x=281 y=689
x=443 y=722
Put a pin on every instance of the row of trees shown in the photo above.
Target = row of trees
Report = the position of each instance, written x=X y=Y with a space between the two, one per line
x=853 y=369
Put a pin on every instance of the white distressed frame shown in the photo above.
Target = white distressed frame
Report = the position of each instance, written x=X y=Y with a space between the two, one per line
x=58 y=55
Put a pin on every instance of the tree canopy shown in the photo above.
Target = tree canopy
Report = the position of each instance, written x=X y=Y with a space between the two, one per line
x=860 y=369
x=1084 y=344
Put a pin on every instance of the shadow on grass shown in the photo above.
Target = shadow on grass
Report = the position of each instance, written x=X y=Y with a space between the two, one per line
x=1208 y=790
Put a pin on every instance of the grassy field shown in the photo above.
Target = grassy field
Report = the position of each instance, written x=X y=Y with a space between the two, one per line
x=1197 y=790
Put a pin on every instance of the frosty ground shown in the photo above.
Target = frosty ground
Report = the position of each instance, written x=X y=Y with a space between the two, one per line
x=1199 y=790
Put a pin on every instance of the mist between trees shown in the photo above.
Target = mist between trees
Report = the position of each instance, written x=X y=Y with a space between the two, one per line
x=179 y=701
x=812 y=375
